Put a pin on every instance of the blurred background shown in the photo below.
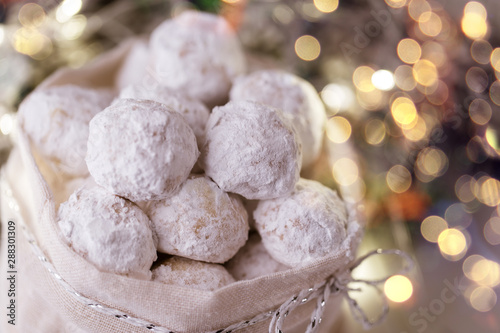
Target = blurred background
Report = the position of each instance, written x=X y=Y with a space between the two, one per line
x=412 y=85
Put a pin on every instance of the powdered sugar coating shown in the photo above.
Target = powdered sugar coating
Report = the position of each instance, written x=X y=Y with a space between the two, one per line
x=194 y=112
x=198 y=54
x=191 y=273
x=295 y=97
x=200 y=222
x=309 y=224
x=141 y=150
x=110 y=232
x=253 y=260
x=57 y=121
x=134 y=67
x=251 y=149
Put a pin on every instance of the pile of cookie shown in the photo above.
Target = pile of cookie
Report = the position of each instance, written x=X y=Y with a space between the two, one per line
x=193 y=180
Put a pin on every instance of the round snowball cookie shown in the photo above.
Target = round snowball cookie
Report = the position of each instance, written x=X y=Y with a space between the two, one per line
x=141 y=150
x=307 y=225
x=108 y=231
x=293 y=95
x=56 y=119
x=200 y=222
x=251 y=149
x=194 y=112
x=198 y=54
x=191 y=273
x=252 y=261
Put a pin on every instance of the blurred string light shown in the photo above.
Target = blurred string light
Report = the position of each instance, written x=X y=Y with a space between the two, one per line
x=307 y=48
x=452 y=243
x=398 y=179
x=474 y=23
x=337 y=97
x=338 y=129
x=326 y=6
x=67 y=9
x=398 y=288
x=383 y=80
x=432 y=226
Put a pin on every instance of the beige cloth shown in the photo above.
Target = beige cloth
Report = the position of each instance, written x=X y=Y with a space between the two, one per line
x=45 y=306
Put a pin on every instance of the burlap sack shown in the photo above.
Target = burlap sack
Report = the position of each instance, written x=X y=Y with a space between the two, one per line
x=43 y=303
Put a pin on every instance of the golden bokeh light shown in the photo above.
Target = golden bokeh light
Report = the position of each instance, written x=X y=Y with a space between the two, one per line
x=482 y=271
x=338 y=129
x=439 y=93
x=383 y=80
x=432 y=227
x=326 y=6
x=345 y=171
x=31 y=15
x=416 y=8
x=362 y=78
x=464 y=188
x=430 y=24
x=452 y=242
x=398 y=179
x=403 y=111
x=483 y=299
x=431 y=163
x=492 y=230
x=417 y=132
x=372 y=100
x=492 y=139
x=480 y=51
x=307 y=48
x=477 y=79
x=457 y=216
x=495 y=59
x=337 y=97
x=434 y=52
x=474 y=24
x=495 y=92
x=396 y=3
x=480 y=111
x=283 y=14
x=30 y=42
x=409 y=51
x=67 y=9
x=425 y=72
x=474 y=7
x=403 y=76
x=74 y=27
x=488 y=191
x=398 y=288
x=375 y=131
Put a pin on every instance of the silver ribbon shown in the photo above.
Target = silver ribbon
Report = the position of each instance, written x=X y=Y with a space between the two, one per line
x=337 y=284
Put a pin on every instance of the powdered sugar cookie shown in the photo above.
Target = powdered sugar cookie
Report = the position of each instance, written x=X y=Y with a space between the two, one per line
x=198 y=54
x=191 y=273
x=293 y=95
x=308 y=224
x=200 y=222
x=141 y=150
x=252 y=261
x=110 y=232
x=194 y=112
x=57 y=121
x=251 y=149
